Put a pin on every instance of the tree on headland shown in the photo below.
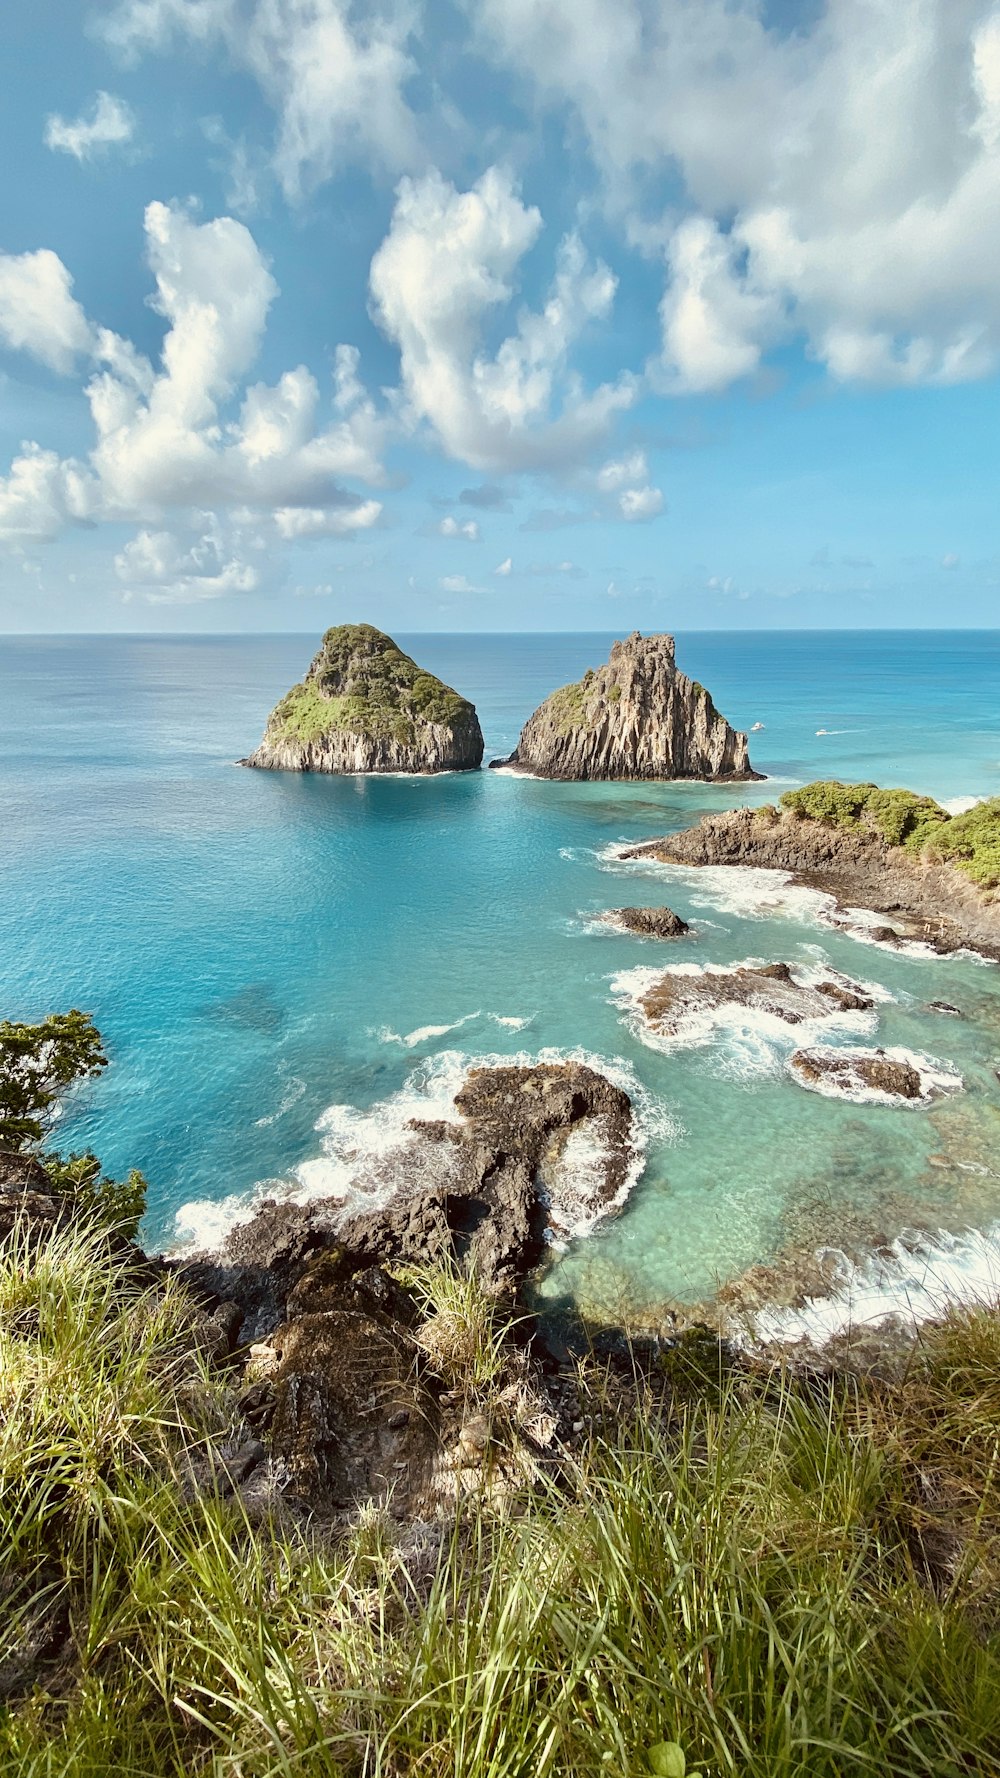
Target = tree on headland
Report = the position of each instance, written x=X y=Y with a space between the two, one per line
x=38 y=1066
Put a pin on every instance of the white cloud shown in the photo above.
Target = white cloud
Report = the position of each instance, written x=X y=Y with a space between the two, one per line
x=503 y=568
x=335 y=79
x=628 y=478
x=166 y=572
x=951 y=560
x=109 y=124
x=469 y=530
x=841 y=180
x=38 y=311
x=168 y=442
x=457 y=583
x=319 y=521
x=447 y=263
x=640 y=503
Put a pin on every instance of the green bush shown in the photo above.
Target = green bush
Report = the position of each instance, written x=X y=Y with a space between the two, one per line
x=970 y=841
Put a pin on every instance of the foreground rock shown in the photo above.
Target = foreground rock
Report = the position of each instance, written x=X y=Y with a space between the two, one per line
x=636 y=717
x=365 y=706
x=770 y=988
x=931 y=903
x=648 y=922
x=338 y=1394
x=507 y=1173
x=857 y=1073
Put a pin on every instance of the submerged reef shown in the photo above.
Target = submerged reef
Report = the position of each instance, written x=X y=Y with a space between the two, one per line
x=636 y=717
x=365 y=706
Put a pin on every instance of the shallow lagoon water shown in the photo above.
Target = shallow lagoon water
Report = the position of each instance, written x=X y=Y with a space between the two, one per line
x=267 y=953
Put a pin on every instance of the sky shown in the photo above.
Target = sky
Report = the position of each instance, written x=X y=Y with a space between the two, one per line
x=499 y=315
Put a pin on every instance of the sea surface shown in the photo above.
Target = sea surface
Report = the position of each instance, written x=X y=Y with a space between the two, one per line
x=285 y=969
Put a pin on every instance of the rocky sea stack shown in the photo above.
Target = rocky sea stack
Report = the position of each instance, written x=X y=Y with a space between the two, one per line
x=635 y=717
x=365 y=706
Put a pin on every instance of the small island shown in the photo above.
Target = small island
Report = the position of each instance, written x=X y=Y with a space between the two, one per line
x=636 y=717
x=365 y=706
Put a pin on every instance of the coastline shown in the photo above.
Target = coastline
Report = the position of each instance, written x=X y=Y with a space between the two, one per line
x=927 y=903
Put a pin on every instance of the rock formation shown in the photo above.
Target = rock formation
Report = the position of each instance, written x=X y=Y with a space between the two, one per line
x=647 y=922
x=768 y=988
x=858 y=1071
x=636 y=717
x=365 y=706
x=931 y=902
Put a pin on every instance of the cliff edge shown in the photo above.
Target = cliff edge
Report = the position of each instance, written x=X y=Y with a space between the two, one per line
x=635 y=717
x=365 y=706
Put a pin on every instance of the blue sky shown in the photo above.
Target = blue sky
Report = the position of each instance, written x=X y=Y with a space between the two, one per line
x=499 y=314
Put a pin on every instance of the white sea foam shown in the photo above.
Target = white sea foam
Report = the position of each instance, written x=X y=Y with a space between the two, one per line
x=937 y=1078
x=960 y=805
x=914 y=1280
x=753 y=893
x=424 y=1033
x=749 y=1039
x=368 y=1156
x=512 y=1022
x=293 y=1092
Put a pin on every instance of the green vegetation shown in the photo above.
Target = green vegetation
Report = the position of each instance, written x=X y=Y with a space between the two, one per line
x=970 y=841
x=567 y=705
x=38 y=1066
x=362 y=684
x=746 y=1576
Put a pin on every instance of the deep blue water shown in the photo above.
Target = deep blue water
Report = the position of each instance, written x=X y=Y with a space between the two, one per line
x=260 y=948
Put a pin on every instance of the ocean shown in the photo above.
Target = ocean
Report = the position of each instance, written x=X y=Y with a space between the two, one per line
x=285 y=969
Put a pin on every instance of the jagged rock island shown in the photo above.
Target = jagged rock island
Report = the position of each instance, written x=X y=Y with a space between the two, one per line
x=635 y=717
x=365 y=706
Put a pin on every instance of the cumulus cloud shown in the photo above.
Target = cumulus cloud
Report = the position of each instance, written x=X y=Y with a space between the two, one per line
x=334 y=75
x=109 y=124
x=189 y=434
x=467 y=529
x=168 y=571
x=457 y=583
x=446 y=265
x=38 y=311
x=841 y=179
x=489 y=496
x=627 y=479
x=503 y=568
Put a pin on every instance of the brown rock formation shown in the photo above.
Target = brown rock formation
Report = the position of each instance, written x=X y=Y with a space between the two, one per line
x=636 y=717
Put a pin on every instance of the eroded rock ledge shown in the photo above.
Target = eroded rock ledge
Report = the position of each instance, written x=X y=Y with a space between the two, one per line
x=769 y=988
x=365 y=706
x=659 y=922
x=933 y=903
x=636 y=717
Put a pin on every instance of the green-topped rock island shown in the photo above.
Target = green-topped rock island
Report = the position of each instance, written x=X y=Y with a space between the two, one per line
x=365 y=706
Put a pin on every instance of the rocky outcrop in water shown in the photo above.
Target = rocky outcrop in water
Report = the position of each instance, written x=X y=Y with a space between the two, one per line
x=769 y=988
x=500 y=1177
x=365 y=706
x=931 y=903
x=647 y=922
x=636 y=717
x=854 y=1071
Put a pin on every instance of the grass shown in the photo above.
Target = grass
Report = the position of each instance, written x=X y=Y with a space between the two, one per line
x=971 y=841
x=786 y=1578
x=362 y=684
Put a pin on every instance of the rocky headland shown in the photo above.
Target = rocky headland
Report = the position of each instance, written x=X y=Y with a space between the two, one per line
x=932 y=875
x=365 y=706
x=636 y=717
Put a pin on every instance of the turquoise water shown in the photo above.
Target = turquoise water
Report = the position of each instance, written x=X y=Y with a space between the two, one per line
x=265 y=952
